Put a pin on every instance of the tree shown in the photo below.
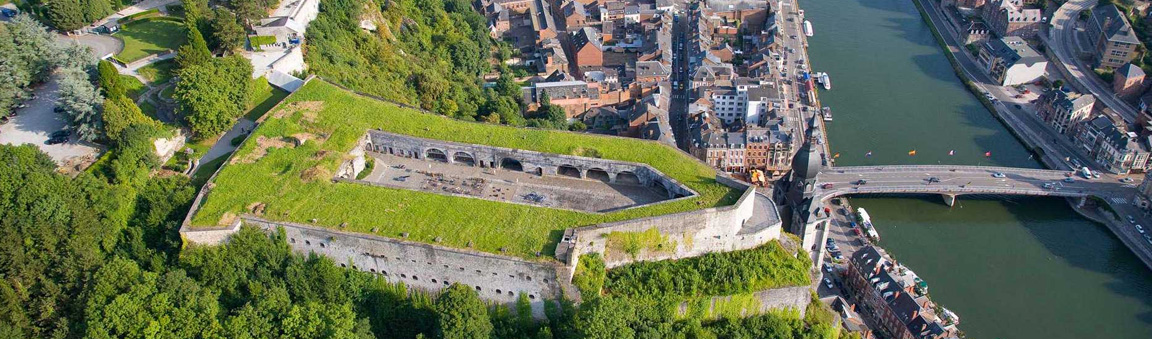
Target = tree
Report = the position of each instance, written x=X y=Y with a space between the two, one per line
x=81 y=102
x=110 y=80
x=605 y=318
x=212 y=95
x=461 y=315
x=195 y=51
x=127 y=302
x=134 y=158
x=120 y=113
x=65 y=15
x=54 y=232
x=227 y=34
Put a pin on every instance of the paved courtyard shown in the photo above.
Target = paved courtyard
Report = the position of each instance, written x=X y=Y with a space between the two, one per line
x=507 y=186
x=34 y=123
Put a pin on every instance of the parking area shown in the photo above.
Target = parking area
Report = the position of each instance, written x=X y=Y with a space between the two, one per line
x=33 y=125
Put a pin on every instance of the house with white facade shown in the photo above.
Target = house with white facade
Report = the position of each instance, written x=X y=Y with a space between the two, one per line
x=1011 y=61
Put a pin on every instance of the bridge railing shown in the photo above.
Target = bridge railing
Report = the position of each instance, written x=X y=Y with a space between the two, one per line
x=943 y=189
x=942 y=168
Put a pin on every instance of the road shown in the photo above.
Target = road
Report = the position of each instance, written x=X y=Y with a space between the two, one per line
x=945 y=179
x=1062 y=40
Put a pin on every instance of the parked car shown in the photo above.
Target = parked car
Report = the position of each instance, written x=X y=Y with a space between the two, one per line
x=828 y=268
x=998 y=175
x=861 y=182
x=826 y=186
x=1126 y=180
x=1131 y=219
x=837 y=256
x=827 y=283
x=1140 y=229
x=933 y=179
x=60 y=133
x=1069 y=179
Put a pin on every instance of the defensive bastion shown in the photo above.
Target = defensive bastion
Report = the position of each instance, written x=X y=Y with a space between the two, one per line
x=341 y=143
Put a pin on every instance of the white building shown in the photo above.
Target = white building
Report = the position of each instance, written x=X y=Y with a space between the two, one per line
x=1011 y=62
x=747 y=100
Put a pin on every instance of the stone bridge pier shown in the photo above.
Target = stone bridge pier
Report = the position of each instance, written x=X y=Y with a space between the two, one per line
x=949 y=199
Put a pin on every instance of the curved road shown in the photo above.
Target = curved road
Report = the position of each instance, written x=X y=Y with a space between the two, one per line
x=1062 y=40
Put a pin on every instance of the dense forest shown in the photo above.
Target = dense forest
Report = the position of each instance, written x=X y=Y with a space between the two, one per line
x=430 y=54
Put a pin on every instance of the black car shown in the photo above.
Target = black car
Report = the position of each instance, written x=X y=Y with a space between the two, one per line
x=60 y=133
x=57 y=140
x=861 y=182
x=933 y=179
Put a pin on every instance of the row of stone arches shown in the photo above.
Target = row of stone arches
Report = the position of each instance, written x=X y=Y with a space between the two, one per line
x=512 y=164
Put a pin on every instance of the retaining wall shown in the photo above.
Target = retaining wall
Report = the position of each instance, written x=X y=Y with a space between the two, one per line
x=751 y=222
x=426 y=266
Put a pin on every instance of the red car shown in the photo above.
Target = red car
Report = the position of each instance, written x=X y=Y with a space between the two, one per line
x=826 y=186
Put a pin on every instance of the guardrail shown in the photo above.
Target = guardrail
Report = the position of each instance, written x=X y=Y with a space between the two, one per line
x=943 y=168
x=942 y=189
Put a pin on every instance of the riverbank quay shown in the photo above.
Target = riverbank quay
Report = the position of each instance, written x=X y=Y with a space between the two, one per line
x=1044 y=142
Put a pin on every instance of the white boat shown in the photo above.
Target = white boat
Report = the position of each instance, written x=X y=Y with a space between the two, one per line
x=866 y=223
x=807 y=28
x=826 y=81
x=827 y=112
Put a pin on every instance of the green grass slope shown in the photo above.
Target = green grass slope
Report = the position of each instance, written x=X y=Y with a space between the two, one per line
x=294 y=183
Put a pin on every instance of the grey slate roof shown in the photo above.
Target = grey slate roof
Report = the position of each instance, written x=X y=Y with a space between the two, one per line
x=1113 y=24
x=1013 y=50
x=1129 y=71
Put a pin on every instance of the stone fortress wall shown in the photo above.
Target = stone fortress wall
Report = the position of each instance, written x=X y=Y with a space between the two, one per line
x=752 y=221
x=612 y=171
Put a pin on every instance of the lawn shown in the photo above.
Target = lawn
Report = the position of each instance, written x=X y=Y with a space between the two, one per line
x=261 y=40
x=159 y=72
x=149 y=36
x=294 y=185
x=262 y=97
x=133 y=86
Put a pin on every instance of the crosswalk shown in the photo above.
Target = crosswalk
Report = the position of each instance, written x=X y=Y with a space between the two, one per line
x=1119 y=200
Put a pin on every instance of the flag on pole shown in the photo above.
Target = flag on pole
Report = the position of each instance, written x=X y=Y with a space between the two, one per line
x=837 y=155
x=912 y=152
x=987 y=154
x=952 y=152
x=868 y=154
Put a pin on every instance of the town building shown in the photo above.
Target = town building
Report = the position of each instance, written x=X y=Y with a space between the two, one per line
x=970 y=3
x=543 y=24
x=1108 y=143
x=1111 y=34
x=288 y=22
x=975 y=32
x=768 y=149
x=720 y=149
x=895 y=297
x=587 y=48
x=1064 y=110
x=1128 y=81
x=1011 y=62
x=574 y=96
x=746 y=101
x=575 y=15
x=1011 y=18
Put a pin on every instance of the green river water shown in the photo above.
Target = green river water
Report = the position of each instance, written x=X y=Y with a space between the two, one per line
x=1024 y=268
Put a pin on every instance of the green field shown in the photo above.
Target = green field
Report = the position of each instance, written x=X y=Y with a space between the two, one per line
x=159 y=72
x=149 y=36
x=261 y=40
x=262 y=97
x=294 y=182
x=133 y=86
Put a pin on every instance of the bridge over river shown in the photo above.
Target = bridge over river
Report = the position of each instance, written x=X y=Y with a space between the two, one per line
x=951 y=181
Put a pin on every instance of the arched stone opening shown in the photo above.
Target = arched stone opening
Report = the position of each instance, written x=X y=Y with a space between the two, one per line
x=511 y=164
x=464 y=158
x=435 y=154
x=568 y=171
x=627 y=178
x=599 y=174
x=539 y=171
x=659 y=188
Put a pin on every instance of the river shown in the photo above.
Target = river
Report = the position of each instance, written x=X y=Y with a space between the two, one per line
x=1023 y=268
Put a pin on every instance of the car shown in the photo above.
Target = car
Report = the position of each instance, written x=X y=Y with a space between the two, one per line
x=826 y=186
x=1049 y=185
x=1069 y=179
x=60 y=133
x=1126 y=180
x=830 y=241
x=858 y=233
x=853 y=223
x=1076 y=163
x=933 y=179
x=861 y=182
x=1139 y=228
x=837 y=256
x=1095 y=175
x=998 y=175
x=828 y=283
x=56 y=140
x=1131 y=219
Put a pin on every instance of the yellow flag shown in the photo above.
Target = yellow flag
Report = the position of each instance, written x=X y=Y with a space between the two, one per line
x=912 y=152
x=836 y=156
